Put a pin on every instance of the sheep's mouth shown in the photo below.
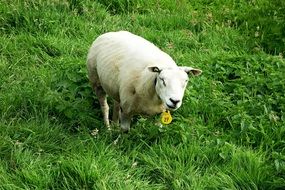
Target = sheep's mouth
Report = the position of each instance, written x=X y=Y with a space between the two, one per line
x=170 y=106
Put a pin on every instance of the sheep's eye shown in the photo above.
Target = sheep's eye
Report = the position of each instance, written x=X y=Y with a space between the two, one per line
x=163 y=81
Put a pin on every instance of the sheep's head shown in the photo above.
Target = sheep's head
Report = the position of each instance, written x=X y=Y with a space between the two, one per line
x=170 y=84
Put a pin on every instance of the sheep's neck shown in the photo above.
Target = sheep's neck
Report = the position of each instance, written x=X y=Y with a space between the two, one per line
x=151 y=92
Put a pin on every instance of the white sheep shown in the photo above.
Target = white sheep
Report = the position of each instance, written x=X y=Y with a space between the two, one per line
x=140 y=77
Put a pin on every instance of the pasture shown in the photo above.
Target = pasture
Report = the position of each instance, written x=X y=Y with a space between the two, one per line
x=228 y=134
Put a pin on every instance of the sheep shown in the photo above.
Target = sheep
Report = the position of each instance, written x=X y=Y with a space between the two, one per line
x=141 y=78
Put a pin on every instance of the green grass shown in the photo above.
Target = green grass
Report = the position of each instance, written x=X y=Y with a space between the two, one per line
x=228 y=134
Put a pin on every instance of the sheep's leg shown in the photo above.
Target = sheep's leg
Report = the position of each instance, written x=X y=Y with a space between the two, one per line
x=102 y=96
x=100 y=93
x=116 y=112
x=125 y=122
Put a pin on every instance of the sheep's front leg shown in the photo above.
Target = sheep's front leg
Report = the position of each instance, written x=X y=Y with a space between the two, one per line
x=125 y=120
x=104 y=105
x=116 y=112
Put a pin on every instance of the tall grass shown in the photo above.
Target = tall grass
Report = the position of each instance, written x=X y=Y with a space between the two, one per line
x=229 y=133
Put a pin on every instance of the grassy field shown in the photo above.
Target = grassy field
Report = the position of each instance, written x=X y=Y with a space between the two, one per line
x=228 y=134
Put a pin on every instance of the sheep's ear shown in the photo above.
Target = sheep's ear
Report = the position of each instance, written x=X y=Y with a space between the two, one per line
x=154 y=69
x=190 y=70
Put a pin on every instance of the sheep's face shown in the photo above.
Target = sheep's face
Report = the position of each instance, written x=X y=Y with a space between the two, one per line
x=171 y=83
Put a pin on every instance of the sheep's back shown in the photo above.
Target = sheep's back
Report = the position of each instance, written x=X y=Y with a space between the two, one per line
x=122 y=56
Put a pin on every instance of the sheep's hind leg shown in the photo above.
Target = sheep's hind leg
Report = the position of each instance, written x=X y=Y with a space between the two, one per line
x=102 y=96
x=100 y=93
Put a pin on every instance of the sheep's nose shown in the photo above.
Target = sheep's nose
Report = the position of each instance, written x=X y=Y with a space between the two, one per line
x=175 y=102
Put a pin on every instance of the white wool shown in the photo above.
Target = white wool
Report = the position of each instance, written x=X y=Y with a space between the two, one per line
x=126 y=67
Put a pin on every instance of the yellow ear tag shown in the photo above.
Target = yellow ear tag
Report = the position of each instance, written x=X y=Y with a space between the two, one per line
x=166 y=117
